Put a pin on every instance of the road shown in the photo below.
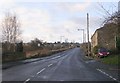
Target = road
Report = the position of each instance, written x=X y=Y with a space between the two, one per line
x=65 y=66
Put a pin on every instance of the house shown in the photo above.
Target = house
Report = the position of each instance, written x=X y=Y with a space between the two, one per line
x=105 y=37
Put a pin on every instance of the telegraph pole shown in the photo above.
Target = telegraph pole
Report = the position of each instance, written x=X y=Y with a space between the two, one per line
x=88 y=33
x=83 y=34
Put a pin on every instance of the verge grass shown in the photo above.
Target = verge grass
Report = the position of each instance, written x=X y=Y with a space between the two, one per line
x=112 y=59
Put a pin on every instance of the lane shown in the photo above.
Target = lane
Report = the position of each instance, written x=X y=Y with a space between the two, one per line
x=66 y=66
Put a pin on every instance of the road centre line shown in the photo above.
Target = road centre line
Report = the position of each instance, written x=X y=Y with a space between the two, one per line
x=107 y=74
x=33 y=76
x=50 y=65
x=27 y=80
x=41 y=71
x=55 y=57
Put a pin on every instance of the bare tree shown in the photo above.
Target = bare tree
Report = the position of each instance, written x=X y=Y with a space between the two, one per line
x=110 y=17
x=10 y=29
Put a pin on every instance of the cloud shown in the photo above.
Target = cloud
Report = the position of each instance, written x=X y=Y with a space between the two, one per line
x=68 y=0
x=35 y=22
x=73 y=7
x=37 y=17
x=78 y=6
x=7 y=4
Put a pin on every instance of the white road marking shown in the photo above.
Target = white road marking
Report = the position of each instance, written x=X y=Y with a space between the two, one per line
x=58 y=56
x=27 y=80
x=107 y=74
x=50 y=65
x=40 y=71
x=61 y=80
x=55 y=57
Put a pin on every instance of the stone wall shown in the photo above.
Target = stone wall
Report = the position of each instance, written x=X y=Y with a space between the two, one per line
x=106 y=36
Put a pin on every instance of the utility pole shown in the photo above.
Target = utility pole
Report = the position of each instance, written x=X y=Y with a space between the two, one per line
x=83 y=34
x=88 y=33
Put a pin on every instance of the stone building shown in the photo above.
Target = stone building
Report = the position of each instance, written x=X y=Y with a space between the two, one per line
x=105 y=37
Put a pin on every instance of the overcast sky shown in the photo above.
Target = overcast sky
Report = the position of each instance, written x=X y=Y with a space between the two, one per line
x=50 y=19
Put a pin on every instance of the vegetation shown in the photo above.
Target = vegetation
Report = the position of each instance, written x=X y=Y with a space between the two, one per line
x=95 y=49
x=10 y=30
x=11 y=49
x=112 y=59
x=45 y=53
x=118 y=43
x=15 y=56
x=12 y=56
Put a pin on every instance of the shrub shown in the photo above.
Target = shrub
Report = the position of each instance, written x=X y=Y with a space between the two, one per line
x=95 y=49
x=118 y=43
x=19 y=47
x=12 y=56
x=114 y=51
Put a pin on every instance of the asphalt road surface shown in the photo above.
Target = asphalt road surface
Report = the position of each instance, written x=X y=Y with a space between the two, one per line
x=65 y=66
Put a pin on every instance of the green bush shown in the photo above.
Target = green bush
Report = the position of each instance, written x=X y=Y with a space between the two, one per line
x=19 y=47
x=112 y=60
x=118 y=43
x=114 y=51
x=95 y=49
x=12 y=56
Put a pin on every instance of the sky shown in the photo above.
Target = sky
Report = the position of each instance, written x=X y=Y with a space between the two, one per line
x=48 y=20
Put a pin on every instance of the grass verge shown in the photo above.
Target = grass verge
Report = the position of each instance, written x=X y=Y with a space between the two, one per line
x=112 y=59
